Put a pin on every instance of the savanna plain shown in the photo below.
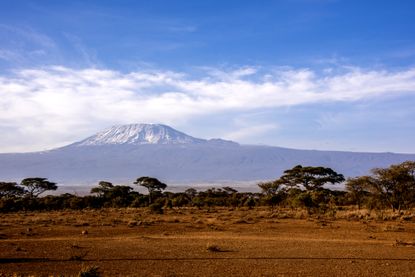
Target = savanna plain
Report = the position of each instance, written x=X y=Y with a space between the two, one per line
x=206 y=242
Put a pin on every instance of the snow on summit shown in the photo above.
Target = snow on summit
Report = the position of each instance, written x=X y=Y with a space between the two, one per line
x=139 y=134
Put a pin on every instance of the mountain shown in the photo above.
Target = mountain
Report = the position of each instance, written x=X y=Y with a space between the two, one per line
x=122 y=153
x=138 y=134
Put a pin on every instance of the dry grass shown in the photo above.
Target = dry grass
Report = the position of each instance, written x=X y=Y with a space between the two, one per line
x=89 y=271
x=191 y=242
x=213 y=248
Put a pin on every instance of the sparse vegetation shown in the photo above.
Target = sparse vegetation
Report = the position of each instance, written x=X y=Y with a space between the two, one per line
x=199 y=242
x=298 y=188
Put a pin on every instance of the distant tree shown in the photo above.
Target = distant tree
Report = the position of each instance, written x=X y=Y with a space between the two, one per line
x=310 y=177
x=229 y=190
x=153 y=185
x=180 y=199
x=357 y=189
x=158 y=206
x=303 y=199
x=250 y=202
x=198 y=202
x=121 y=196
x=120 y=191
x=10 y=190
x=270 y=188
x=231 y=197
x=395 y=185
x=116 y=196
x=36 y=186
x=272 y=191
x=103 y=188
x=191 y=193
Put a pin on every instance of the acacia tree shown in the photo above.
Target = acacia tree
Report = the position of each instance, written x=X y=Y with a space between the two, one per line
x=270 y=188
x=273 y=193
x=36 y=186
x=310 y=177
x=10 y=190
x=357 y=189
x=115 y=195
x=153 y=186
x=191 y=193
x=395 y=185
x=103 y=188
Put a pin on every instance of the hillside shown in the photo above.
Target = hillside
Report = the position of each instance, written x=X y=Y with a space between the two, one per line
x=123 y=153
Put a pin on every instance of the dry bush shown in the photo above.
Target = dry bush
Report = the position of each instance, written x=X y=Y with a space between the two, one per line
x=77 y=253
x=353 y=214
x=89 y=271
x=213 y=248
x=403 y=243
x=134 y=223
x=215 y=227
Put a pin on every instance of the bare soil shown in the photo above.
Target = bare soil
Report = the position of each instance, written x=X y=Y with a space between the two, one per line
x=191 y=242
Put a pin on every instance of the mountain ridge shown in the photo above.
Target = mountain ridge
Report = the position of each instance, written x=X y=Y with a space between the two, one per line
x=176 y=157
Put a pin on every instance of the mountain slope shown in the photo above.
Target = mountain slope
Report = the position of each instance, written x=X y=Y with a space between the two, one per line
x=137 y=134
x=123 y=153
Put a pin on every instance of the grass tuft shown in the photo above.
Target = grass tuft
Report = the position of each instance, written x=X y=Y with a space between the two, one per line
x=89 y=271
x=213 y=248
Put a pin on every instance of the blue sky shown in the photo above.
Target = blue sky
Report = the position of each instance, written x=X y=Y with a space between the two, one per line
x=309 y=74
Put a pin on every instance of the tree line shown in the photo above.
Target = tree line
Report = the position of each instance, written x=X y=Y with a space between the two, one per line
x=306 y=187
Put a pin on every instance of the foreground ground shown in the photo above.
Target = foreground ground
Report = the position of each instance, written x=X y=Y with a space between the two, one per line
x=188 y=242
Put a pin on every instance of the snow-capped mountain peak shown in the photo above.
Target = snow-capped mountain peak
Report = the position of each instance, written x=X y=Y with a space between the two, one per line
x=137 y=134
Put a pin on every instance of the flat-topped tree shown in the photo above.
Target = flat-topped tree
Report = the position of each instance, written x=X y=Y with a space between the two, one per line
x=103 y=188
x=395 y=185
x=10 y=190
x=310 y=177
x=36 y=186
x=153 y=185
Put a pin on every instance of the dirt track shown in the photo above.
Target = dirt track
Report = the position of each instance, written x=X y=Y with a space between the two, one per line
x=242 y=242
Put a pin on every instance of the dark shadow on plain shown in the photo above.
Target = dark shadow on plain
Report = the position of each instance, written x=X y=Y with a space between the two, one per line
x=23 y=260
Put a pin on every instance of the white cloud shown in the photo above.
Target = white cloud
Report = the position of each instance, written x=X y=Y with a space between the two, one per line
x=250 y=132
x=52 y=106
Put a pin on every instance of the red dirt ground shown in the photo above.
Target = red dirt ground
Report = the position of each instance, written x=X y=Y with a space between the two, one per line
x=258 y=242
